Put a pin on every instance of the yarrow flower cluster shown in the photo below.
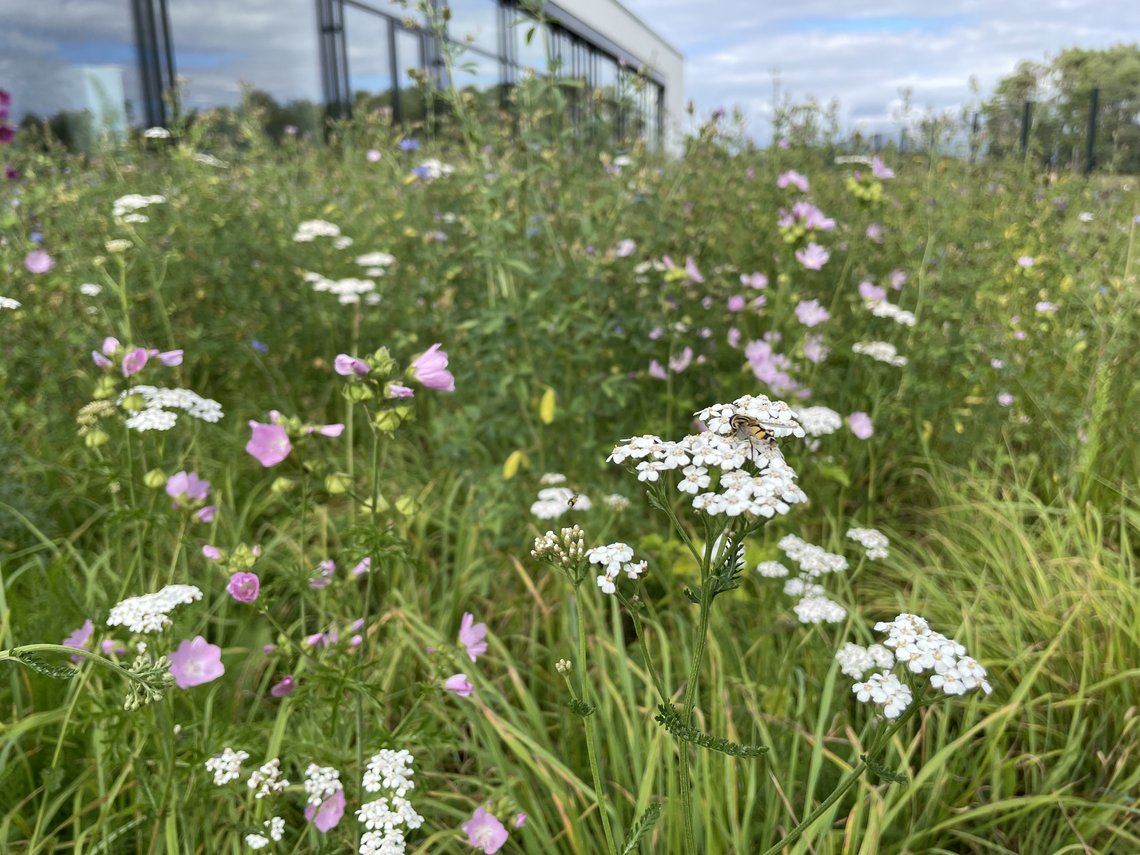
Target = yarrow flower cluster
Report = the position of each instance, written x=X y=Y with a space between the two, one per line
x=310 y=230
x=388 y=817
x=819 y=421
x=615 y=558
x=873 y=541
x=765 y=488
x=226 y=766
x=126 y=208
x=150 y=612
x=812 y=606
x=553 y=502
x=922 y=651
x=348 y=291
x=880 y=350
x=884 y=309
x=267 y=780
x=157 y=407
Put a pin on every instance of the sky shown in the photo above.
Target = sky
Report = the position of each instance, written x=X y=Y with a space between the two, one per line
x=864 y=53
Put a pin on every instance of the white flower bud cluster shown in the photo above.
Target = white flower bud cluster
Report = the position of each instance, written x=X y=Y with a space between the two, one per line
x=226 y=766
x=886 y=309
x=267 y=780
x=765 y=489
x=814 y=561
x=873 y=541
x=880 y=350
x=615 y=558
x=616 y=502
x=348 y=291
x=310 y=230
x=565 y=550
x=150 y=612
x=855 y=660
x=390 y=816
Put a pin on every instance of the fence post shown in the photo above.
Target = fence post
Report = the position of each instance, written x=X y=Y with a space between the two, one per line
x=974 y=139
x=1026 y=120
x=1091 y=136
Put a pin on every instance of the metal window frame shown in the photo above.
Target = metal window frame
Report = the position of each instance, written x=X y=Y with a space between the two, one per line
x=151 y=21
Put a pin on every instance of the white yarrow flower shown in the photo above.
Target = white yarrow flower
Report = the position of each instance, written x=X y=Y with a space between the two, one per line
x=226 y=766
x=150 y=612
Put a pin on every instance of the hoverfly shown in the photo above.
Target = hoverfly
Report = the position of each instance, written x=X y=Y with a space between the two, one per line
x=573 y=500
x=746 y=427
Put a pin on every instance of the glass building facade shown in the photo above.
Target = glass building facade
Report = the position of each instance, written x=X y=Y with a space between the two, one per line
x=89 y=67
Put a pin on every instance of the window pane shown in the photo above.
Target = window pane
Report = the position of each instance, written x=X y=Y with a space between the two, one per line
x=409 y=58
x=475 y=22
x=369 y=59
x=269 y=45
x=72 y=63
x=532 y=55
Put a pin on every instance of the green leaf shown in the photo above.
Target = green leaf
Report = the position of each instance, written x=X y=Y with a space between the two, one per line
x=835 y=473
x=580 y=708
x=668 y=717
x=881 y=773
x=641 y=827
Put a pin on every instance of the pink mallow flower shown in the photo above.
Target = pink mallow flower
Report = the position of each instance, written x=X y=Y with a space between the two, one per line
x=134 y=361
x=196 y=662
x=324 y=572
x=815 y=350
x=754 y=280
x=459 y=684
x=874 y=232
x=346 y=365
x=813 y=256
x=269 y=443
x=327 y=816
x=520 y=820
x=283 y=688
x=736 y=303
x=681 y=361
x=395 y=390
x=206 y=514
x=811 y=313
x=80 y=638
x=897 y=279
x=791 y=178
x=657 y=370
x=625 y=248
x=485 y=832
x=212 y=552
x=880 y=169
x=186 y=487
x=372 y=155
x=430 y=369
x=169 y=358
x=860 y=424
x=871 y=292
x=473 y=636
x=691 y=269
x=244 y=587
x=38 y=261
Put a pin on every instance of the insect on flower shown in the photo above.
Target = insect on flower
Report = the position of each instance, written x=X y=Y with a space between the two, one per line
x=573 y=500
x=746 y=427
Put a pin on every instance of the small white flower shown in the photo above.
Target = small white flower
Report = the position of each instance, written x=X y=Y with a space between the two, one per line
x=90 y=289
x=256 y=841
x=873 y=541
x=267 y=780
x=321 y=782
x=9 y=303
x=772 y=569
x=150 y=612
x=226 y=766
x=156 y=133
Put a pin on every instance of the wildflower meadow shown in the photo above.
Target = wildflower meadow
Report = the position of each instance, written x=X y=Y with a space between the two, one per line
x=493 y=485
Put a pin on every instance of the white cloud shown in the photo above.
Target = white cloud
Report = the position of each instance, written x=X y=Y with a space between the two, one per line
x=821 y=49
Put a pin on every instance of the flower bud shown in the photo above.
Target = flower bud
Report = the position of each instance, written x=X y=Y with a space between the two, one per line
x=155 y=478
x=95 y=438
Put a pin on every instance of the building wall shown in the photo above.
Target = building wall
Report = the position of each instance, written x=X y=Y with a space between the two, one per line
x=107 y=64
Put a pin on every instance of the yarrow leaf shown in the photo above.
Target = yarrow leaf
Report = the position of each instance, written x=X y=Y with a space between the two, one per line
x=881 y=772
x=670 y=719
x=56 y=672
x=641 y=827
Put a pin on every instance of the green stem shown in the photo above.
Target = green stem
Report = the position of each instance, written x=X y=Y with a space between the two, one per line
x=686 y=716
x=14 y=654
x=599 y=793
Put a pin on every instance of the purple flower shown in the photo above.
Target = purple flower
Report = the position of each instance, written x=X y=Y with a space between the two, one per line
x=372 y=155
x=811 y=313
x=134 y=361
x=691 y=269
x=325 y=430
x=7 y=133
x=813 y=256
x=521 y=818
x=186 y=487
x=346 y=365
x=1026 y=261
x=430 y=369
x=79 y=638
x=815 y=350
x=732 y=337
x=327 y=816
x=1005 y=399
x=880 y=169
x=473 y=636
x=11 y=173
x=395 y=390
x=625 y=249
x=657 y=370
x=362 y=567
x=259 y=346
x=897 y=279
x=485 y=832
x=793 y=179
x=100 y=360
x=211 y=552
x=681 y=361
x=459 y=684
x=736 y=303
x=1045 y=307
x=409 y=145
x=874 y=232
x=38 y=261
x=206 y=514
x=871 y=292
x=754 y=280
x=112 y=647
x=244 y=587
x=269 y=443
x=997 y=363
x=283 y=688
x=323 y=576
x=860 y=424
x=196 y=662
